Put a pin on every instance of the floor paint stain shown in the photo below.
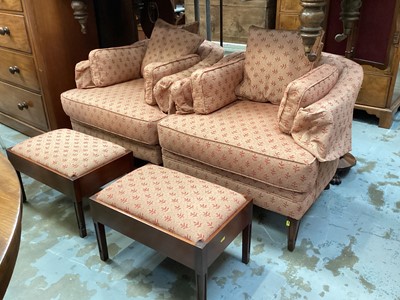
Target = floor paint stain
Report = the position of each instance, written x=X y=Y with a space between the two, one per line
x=258 y=249
x=220 y=281
x=182 y=288
x=369 y=286
x=300 y=257
x=388 y=234
x=140 y=289
x=390 y=175
x=366 y=166
x=236 y=274
x=257 y=271
x=376 y=196
x=347 y=259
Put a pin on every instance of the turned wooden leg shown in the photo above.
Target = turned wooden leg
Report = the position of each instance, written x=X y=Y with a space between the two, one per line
x=101 y=240
x=293 y=228
x=246 y=239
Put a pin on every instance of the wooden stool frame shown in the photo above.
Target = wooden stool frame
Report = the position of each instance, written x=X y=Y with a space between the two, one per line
x=74 y=187
x=197 y=256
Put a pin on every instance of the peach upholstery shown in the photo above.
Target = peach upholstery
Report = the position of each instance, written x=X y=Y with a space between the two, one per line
x=109 y=101
x=178 y=203
x=68 y=152
x=239 y=144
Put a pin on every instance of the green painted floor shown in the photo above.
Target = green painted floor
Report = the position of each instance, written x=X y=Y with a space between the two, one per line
x=348 y=245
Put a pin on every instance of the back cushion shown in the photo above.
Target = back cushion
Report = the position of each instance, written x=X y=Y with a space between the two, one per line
x=167 y=42
x=304 y=91
x=273 y=59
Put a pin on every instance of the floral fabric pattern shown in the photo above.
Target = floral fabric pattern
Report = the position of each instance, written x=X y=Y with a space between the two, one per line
x=304 y=91
x=181 y=204
x=68 y=152
x=274 y=58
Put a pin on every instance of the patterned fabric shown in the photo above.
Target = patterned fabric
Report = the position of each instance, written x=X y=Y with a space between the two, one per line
x=210 y=53
x=304 y=91
x=274 y=58
x=191 y=27
x=214 y=87
x=83 y=76
x=150 y=153
x=118 y=108
x=324 y=128
x=245 y=139
x=284 y=202
x=118 y=64
x=167 y=42
x=180 y=92
x=180 y=204
x=153 y=72
x=68 y=152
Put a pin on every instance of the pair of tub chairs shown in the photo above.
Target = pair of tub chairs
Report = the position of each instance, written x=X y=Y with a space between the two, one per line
x=265 y=122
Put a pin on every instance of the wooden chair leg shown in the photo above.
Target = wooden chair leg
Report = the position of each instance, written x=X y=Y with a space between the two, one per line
x=201 y=286
x=293 y=229
x=246 y=239
x=80 y=217
x=101 y=240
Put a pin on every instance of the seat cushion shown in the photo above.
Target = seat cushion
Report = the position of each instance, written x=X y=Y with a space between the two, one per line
x=68 y=152
x=273 y=59
x=178 y=203
x=119 y=109
x=242 y=138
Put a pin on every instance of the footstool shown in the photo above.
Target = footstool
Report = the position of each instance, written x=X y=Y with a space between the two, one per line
x=71 y=162
x=187 y=219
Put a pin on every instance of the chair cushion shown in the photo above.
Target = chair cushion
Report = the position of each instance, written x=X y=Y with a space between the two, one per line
x=68 y=152
x=214 y=87
x=114 y=65
x=274 y=58
x=178 y=203
x=242 y=138
x=304 y=91
x=118 y=109
x=173 y=41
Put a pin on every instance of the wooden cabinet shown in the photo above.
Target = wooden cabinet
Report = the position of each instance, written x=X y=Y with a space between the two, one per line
x=40 y=43
x=378 y=95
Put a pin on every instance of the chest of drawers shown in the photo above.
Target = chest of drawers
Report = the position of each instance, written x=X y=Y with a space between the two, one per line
x=40 y=43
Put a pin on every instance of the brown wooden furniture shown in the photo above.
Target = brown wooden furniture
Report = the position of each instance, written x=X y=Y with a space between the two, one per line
x=75 y=187
x=197 y=256
x=378 y=27
x=40 y=43
x=10 y=221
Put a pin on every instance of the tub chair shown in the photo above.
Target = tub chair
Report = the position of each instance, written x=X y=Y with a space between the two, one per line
x=267 y=123
x=114 y=98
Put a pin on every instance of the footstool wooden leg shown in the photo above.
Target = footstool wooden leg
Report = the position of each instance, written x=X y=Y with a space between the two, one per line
x=101 y=240
x=22 y=186
x=201 y=286
x=246 y=238
x=80 y=217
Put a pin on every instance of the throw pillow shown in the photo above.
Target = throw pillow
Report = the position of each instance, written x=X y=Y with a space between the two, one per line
x=167 y=42
x=304 y=91
x=109 y=66
x=273 y=59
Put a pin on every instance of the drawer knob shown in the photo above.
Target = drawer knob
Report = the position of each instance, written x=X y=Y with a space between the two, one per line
x=4 y=30
x=13 y=70
x=23 y=105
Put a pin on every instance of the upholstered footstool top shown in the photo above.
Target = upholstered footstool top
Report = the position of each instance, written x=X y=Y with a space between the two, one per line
x=191 y=208
x=68 y=152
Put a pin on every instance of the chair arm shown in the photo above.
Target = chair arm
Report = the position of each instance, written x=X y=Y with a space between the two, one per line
x=324 y=127
x=83 y=76
x=153 y=72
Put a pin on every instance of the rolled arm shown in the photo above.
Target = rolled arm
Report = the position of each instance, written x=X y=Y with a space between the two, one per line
x=324 y=127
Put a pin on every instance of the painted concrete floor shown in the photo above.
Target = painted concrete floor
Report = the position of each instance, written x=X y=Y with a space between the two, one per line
x=348 y=245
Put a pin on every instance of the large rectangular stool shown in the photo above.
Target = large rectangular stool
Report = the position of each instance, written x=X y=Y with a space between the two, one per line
x=187 y=219
x=71 y=162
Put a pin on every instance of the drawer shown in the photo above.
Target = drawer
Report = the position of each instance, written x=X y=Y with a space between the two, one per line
x=23 y=70
x=33 y=113
x=17 y=38
x=11 y=5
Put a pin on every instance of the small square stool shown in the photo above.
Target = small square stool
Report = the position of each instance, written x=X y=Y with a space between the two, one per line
x=71 y=162
x=187 y=219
